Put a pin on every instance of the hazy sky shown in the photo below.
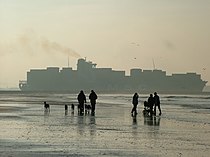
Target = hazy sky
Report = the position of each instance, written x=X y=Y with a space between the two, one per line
x=111 y=33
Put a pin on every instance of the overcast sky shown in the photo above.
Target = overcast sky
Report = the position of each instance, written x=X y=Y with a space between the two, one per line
x=42 y=33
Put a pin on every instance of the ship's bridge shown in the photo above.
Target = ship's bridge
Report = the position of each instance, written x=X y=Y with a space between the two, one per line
x=83 y=65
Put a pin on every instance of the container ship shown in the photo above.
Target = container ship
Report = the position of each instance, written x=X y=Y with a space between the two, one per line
x=87 y=76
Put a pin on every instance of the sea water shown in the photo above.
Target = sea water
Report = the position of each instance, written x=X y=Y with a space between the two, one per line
x=26 y=129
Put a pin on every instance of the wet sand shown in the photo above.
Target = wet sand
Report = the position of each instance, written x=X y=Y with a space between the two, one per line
x=26 y=130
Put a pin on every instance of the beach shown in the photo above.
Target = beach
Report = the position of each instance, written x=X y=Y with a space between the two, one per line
x=27 y=130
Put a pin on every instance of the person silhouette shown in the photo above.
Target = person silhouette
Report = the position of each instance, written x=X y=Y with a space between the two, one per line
x=151 y=103
x=135 y=103
x=157 y=103
x=93 y=96
x=81 y=99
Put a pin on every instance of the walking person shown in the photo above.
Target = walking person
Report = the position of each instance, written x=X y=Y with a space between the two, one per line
x=151 y=103
x=81 y=99
x=93 y=96
x=135 y=103
x=157 y=103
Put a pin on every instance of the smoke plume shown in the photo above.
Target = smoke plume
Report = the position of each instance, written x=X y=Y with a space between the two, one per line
x=49 y=46
x=31 y=44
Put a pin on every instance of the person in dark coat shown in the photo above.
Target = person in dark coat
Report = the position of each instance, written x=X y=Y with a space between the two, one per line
x=93 y=96
x=135 y=103
x=151 y=103
x=157 y=103
x=81 y=99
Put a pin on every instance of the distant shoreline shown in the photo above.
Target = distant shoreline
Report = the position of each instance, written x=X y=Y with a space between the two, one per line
x=103 y=92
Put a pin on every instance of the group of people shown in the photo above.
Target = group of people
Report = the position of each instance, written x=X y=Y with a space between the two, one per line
x=152 y=102
x=81 y=106
x=149 y=106
x=82 y=100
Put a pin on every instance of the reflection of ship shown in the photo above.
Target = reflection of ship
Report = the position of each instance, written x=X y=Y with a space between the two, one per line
x=87 y=77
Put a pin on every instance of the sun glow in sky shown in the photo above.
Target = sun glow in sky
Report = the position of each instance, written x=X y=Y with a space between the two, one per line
x=121 y=34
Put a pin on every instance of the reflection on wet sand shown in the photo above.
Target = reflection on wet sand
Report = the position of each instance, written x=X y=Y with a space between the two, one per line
x=46 y=116
x=134 y=126
x=92 y=125
x=153 y=124
x=134 y=121
x=83 y=121
x=46 y=113
x=84 y=124
x=152 y=121
x=81 y=124
x=66 y=112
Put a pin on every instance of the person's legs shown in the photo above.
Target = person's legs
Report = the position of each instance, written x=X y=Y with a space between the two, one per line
x=134 y=110
x=82 y=107
x=159 y=109
x=155 y=109
x=92 y=108
x=151 y=110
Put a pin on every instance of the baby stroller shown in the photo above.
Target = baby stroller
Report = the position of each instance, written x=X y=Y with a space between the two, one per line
x=146 y=110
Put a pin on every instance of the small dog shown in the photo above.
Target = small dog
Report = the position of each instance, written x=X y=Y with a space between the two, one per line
x=46 y=106
x=87 y=109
